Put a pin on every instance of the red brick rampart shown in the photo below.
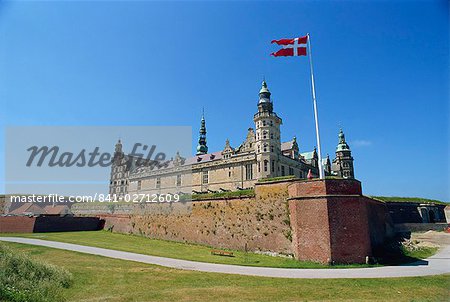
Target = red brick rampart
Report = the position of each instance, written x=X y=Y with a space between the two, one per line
x=48 y=223
x=17 y=224
x=332 y=222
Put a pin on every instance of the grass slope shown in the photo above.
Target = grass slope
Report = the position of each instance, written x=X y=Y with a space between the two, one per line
x=103 y=279
x=408 y=199
x=26 y=279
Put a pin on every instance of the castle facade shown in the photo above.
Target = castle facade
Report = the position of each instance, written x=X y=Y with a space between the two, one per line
x=261 y=155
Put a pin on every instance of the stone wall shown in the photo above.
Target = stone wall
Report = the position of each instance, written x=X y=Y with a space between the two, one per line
x=407 y=228
x=256 y=223
x=413 y=212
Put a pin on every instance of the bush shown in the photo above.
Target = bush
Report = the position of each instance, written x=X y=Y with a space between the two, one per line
x=26 y=279
x=279 y=178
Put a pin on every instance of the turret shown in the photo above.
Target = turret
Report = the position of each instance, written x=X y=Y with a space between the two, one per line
x=264 y=103
x=267 y=131
x=343 y=163
x=118 y=147
x=118 y=153
x=202 y=148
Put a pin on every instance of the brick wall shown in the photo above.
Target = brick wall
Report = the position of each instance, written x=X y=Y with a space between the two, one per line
x=310 y=230
x=380 y=222
x=317 y=187
x=320 y=221
x=25 y=224
x=332 y=222
x=17 y=224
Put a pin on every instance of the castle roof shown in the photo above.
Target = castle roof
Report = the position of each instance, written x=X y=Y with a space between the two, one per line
x=28 y=208
x=56 y=210
x=202 y=158
x=287 y=145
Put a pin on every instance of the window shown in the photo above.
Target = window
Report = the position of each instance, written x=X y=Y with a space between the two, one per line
x=158 y=182
x=271 y=135
x=291 y=171
x=265 y=148
x=282 y=170
x=264 y=123
x=271 y=148
x=271 y=123
x=205 y=177
x=264 y=134
x=266 y=163
x=259 y=167
x=259 y=149
x=248 y=171
x=273 y=166
x=178 y=180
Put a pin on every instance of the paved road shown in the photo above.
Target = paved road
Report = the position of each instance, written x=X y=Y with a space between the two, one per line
x=438 y=264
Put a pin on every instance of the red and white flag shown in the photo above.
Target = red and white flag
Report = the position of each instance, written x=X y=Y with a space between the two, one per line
x=291 y=47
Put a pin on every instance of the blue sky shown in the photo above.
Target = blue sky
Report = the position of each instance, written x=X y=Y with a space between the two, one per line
x=381 y=72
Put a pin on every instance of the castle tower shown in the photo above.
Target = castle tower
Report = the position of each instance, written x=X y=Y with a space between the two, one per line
x=118 y=147
x=268 y=144
x=343 y=163
x=202 y=148
x=119 y=177
x=118 y=153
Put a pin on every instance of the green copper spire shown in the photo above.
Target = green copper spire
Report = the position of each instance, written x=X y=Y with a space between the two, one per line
x=342 y=146
x=202 y=148
x=264 y=93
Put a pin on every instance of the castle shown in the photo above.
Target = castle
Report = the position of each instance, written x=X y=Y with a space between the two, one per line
x=262 y=155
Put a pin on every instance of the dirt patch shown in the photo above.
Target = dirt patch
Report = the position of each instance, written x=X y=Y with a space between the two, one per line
x=432 y=238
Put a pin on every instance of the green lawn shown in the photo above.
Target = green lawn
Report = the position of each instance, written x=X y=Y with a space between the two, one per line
x=177 y=250
x=98 y=278
x=154 y=247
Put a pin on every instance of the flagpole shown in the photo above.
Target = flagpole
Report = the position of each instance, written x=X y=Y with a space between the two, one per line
x=313 y=89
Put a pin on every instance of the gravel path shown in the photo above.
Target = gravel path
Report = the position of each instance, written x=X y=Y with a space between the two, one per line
x=435 y=265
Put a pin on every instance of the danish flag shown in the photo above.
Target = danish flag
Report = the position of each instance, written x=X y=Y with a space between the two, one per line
x=291 y=47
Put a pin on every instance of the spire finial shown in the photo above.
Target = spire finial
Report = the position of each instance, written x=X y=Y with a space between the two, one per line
x=342 y=145
x=202 y=148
